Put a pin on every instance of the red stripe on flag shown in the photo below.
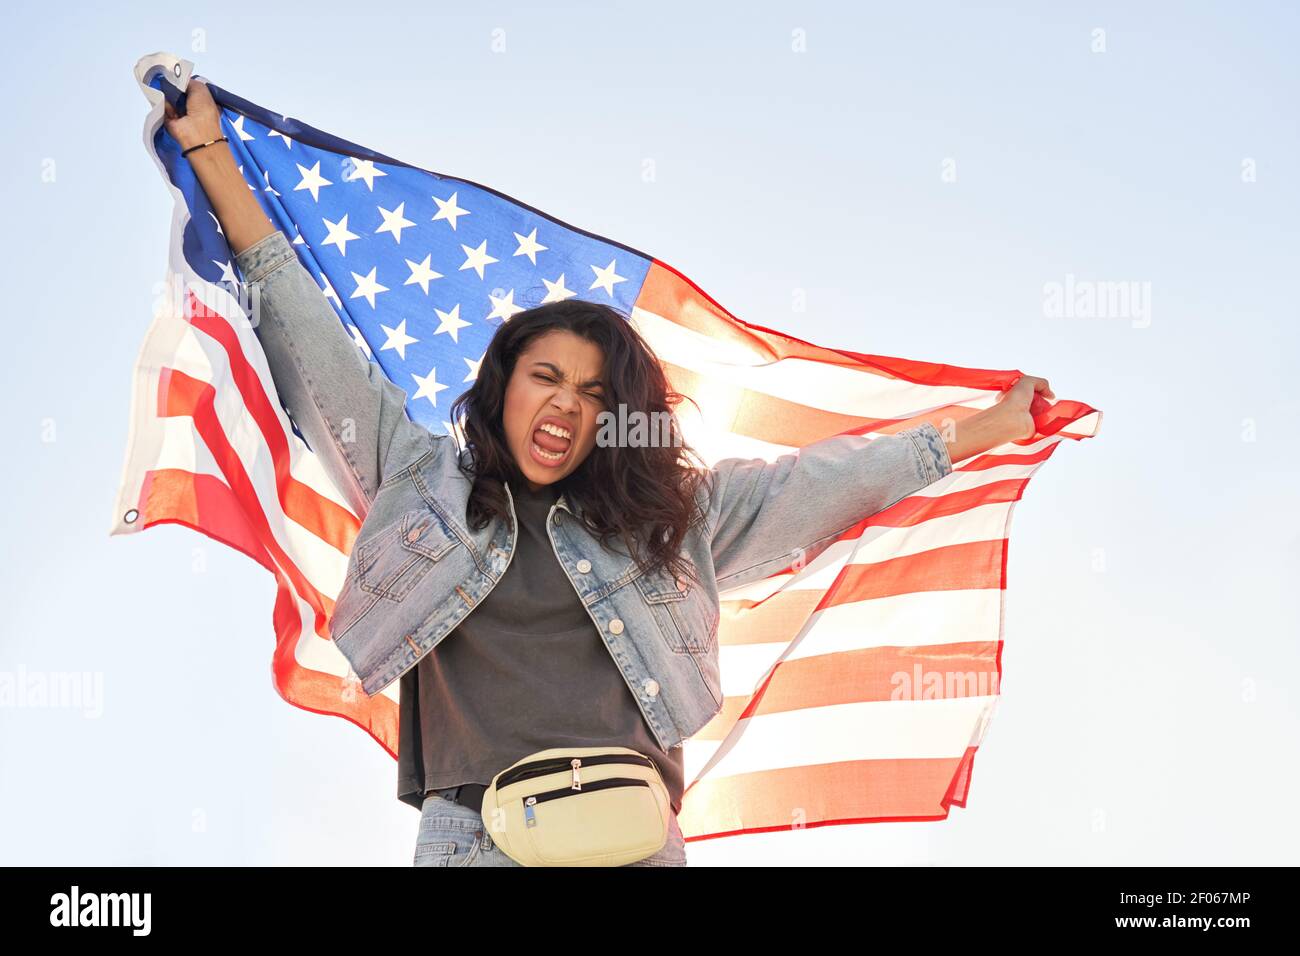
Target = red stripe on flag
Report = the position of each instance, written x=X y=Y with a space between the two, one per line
x=668 y=293
x=873 y=674
x=201 y=502
x=326 y=693
x=974 y=564
x=189 y=396
x=329 y=521
x=819 y=795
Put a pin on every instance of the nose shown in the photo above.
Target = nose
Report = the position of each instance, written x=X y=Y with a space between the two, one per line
x=565 y=401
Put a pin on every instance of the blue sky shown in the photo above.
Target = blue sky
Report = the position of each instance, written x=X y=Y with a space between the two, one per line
x=1149 y=686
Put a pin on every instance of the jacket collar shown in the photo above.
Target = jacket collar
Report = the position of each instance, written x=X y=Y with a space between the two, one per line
x=561 y=501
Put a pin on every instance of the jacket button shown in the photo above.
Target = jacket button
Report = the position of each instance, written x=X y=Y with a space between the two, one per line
x=651 y=687
x=412 y=534
x=584 y=565
x=616 y=626
x=681 y=585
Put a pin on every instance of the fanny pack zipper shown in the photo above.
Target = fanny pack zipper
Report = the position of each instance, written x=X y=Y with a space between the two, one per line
x=531 y=802
x=540 y=768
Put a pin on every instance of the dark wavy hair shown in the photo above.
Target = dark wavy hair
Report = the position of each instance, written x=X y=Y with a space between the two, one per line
x=645 y=495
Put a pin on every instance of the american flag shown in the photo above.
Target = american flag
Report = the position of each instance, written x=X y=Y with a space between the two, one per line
x=857 y=687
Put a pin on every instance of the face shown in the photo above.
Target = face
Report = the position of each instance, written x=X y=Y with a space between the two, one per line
x=556 y=383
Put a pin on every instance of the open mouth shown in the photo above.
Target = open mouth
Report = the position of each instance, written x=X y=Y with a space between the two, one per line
x=551 y=443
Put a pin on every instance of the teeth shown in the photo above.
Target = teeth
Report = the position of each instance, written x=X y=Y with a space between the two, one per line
x=556 y=430
x=550 y=455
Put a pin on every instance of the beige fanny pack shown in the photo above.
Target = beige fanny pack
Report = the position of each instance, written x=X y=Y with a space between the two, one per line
x=578 y=806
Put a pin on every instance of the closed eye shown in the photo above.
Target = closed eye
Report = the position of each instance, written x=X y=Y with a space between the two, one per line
x=549 y=379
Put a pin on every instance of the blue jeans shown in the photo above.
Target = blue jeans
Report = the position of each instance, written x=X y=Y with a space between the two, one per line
x=452 y=834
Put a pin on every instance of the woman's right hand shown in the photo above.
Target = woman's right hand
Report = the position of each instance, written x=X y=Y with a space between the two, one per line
x=236 y=207
x=202 y=120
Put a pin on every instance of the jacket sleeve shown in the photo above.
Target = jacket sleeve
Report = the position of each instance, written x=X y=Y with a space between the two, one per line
x=763 y=515
x=353 y=417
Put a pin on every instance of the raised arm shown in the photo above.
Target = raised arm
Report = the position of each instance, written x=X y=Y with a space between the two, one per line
x=764 y=516
x=353 y=417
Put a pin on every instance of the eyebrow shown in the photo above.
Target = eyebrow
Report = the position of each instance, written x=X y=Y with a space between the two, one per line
x=560 y=374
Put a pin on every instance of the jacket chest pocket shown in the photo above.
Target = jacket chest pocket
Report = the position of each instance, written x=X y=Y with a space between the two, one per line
x=686 y=617
x=394 y=561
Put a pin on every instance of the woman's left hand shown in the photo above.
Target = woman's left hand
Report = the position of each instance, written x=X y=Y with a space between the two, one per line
x=1020 y=403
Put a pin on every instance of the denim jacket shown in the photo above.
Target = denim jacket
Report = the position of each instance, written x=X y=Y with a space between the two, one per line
x=416 y=569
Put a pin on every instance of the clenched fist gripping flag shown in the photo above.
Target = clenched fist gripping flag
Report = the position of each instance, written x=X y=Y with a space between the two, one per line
x=421 y=268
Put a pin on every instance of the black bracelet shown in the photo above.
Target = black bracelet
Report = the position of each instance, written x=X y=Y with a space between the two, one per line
x=219 y=139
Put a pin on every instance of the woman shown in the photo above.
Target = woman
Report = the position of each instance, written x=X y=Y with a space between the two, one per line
x=597 y=631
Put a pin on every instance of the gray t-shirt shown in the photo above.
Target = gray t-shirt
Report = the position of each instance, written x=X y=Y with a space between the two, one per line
x=524 y=671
